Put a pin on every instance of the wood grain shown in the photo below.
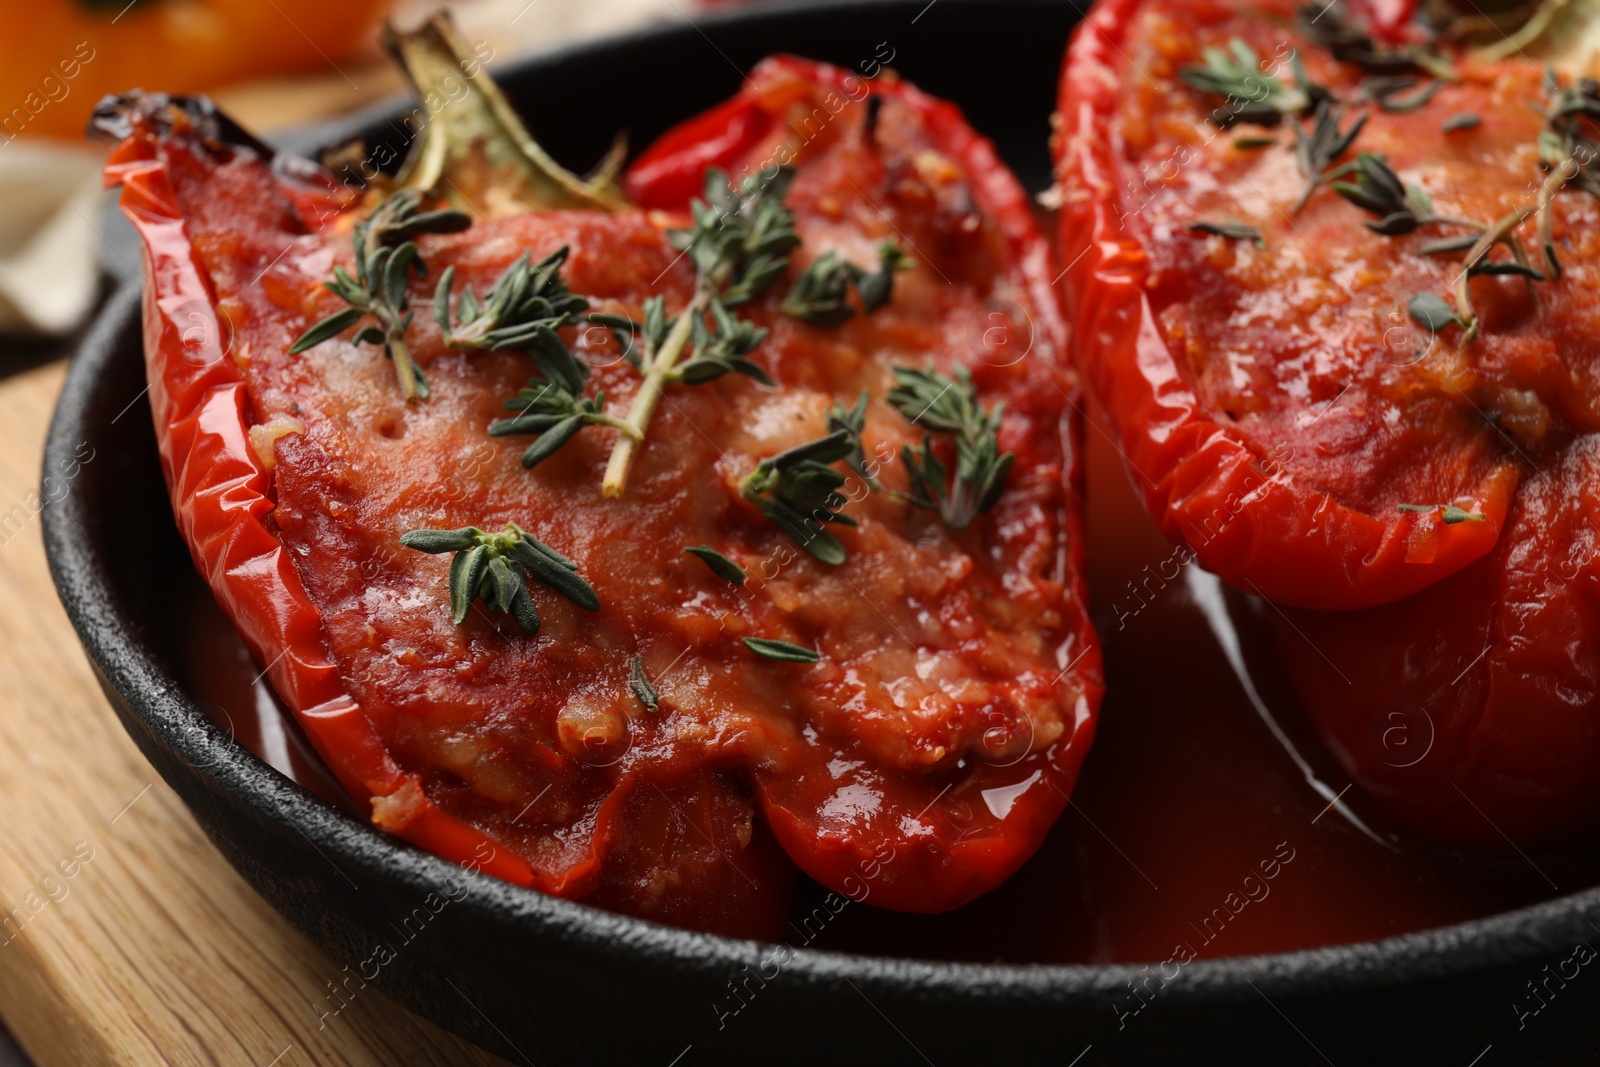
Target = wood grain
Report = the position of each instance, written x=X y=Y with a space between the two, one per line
x=126 y=938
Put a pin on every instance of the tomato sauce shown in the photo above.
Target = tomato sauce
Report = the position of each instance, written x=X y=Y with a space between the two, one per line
x=1188 y=796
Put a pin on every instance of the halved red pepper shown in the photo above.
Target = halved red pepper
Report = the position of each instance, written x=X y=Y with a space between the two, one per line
x=987 y=821
x=1472 y=709
x=1231 y=410
x=1440 y=483
x=870 y=801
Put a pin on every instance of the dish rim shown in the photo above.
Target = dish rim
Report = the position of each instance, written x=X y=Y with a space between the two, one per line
x=130 y=667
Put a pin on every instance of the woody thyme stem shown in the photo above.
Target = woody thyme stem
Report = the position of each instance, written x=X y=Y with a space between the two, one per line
x=657 y=366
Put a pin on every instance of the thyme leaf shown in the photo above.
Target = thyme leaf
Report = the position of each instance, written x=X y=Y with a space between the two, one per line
x=783 y=651
x=1232 y=231
x=720 y=565
x=1433 y=312
x=1251 y=95
x=1392 y=93
x=1506 y=268
x=642 y=687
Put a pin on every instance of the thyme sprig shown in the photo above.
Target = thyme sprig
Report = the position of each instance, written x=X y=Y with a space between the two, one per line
x=721 y=344
x=876 y=288
x=524 y=308
x=853 y=421
x=1252 y=95
x=1475 y=262
x=1329 y=25
x=820 y=295
x=385 y=259
x=1402 y=209
x=739 y=244
x=1566 y=150
x=1399 y=208
x=495 y=568
x=1314 y=152
x=552 y=405
x=947 y=405
x=798 y=490
x=526 y=303
x=1434 y=313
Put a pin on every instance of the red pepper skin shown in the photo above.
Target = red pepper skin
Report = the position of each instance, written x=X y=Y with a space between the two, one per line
x=1278 y=535
x=221 y=497
x=1394 y=21
x=997 y=818
x=671 y=171
x=1469 y=710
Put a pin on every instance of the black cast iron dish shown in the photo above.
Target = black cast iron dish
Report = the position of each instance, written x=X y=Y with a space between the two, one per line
x=548 y=981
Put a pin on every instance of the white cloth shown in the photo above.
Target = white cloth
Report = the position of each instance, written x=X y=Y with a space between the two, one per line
x=50 y=199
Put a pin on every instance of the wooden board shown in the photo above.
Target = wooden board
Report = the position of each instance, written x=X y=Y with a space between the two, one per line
x=126 y=936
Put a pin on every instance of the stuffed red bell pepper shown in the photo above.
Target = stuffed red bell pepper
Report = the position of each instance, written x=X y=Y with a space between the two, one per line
x=1245 y=265
x=1334 y=281
x=637 y=548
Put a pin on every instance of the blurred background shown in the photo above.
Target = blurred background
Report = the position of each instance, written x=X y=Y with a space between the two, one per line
x=271 y=64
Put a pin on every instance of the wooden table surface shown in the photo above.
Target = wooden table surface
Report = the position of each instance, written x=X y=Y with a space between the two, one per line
x=127 y=938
